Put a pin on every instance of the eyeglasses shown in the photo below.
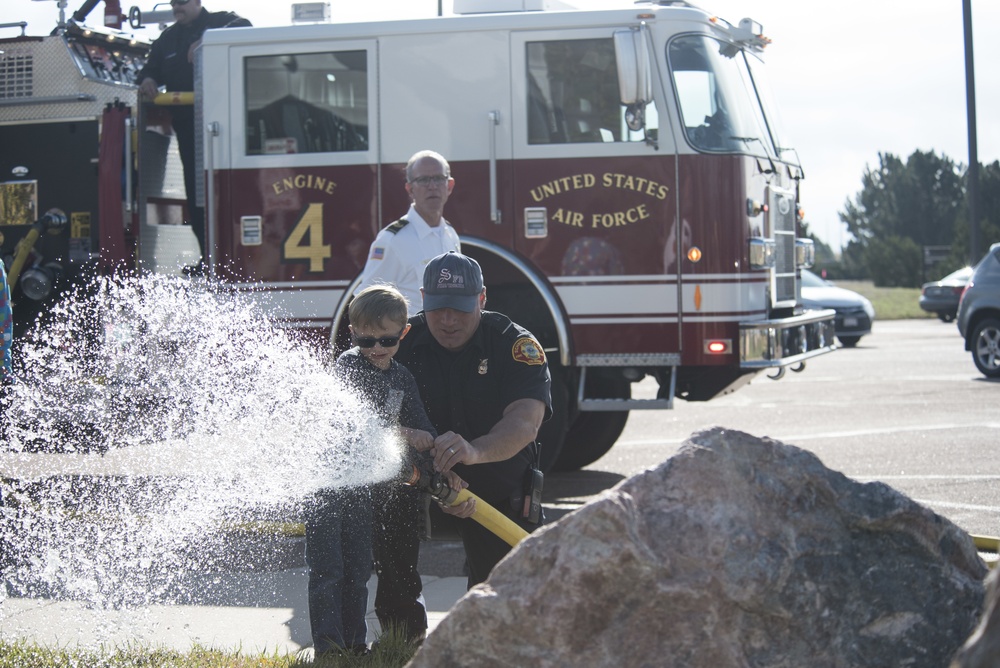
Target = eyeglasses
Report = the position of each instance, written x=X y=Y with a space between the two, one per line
x=370 y=341
x=424 y=181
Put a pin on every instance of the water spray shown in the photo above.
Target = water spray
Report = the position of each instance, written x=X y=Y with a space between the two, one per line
x=151 y=415
x=423 y=476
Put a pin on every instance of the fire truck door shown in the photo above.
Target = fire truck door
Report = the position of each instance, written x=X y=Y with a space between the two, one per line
x=593 y=198
x=295 y=179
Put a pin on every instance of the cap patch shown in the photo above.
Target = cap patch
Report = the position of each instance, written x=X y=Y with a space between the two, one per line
x=527 y=351
x=449 y=281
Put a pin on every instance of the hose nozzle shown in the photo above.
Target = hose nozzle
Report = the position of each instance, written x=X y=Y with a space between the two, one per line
x=423 y=476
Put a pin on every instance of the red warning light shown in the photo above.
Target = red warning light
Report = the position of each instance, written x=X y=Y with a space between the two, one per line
x=717 y=347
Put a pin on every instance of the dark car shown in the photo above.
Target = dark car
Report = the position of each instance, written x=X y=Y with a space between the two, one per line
x=979 y=314
x=941 y=297
x=855 y=314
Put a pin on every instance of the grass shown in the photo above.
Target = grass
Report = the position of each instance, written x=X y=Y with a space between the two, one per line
x=391 y=652
x=889 y=303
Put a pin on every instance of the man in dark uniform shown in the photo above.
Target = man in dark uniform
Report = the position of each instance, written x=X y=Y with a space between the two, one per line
x=171 y=64
x=485 y=384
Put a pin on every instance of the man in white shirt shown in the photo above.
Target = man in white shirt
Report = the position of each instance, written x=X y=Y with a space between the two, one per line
x=398 y=257
x=402 y=249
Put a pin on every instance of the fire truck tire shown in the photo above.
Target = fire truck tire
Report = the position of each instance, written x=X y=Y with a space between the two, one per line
x=592 y=433
x=590 y=438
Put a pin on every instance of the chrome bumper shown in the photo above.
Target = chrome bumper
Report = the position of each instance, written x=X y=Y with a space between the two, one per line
x=777 y=343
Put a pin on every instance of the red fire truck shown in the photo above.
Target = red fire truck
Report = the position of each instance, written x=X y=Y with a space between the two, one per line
x=621 y=176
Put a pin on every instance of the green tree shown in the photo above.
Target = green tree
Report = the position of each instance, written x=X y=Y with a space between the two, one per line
x=825 y=257
x=918 y=200
x=989 y=219
x=895 y=262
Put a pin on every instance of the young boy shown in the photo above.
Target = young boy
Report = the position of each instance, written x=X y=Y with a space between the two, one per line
x=339 y=532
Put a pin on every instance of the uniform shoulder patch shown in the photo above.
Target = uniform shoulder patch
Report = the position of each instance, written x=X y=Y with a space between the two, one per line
x=394 y=228
x=527 y=351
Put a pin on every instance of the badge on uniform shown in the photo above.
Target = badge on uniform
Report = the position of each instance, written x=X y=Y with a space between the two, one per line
x=527 y=351
x=378 y=253
x=484 y=366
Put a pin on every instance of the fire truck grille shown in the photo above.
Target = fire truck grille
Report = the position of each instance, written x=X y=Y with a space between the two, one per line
x=783 y=220
x=785 y=262
x=16 y=75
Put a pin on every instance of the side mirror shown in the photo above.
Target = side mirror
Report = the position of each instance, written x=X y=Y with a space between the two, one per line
x=635 y=86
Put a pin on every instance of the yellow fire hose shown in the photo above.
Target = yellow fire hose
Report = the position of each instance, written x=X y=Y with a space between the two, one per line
x=21 y=252
x=493 y=519
x=989 y=544
x=485 y=514
x=53 y=221
x=174 y=99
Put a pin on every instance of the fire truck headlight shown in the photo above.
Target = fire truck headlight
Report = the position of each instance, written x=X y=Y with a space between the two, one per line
x=761 y=253
x=805 y=253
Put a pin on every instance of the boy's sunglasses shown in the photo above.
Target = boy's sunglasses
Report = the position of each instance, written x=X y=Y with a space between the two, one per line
x=370 y=341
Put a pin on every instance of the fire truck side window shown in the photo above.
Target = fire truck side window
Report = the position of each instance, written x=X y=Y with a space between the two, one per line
x=782 y=144
x=718 y=103
x=573 y=94
x=306 y=103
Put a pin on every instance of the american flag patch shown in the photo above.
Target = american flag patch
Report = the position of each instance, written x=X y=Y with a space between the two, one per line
x=378 y=253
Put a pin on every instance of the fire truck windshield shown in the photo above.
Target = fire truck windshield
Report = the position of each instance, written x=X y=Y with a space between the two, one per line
x=718 y=102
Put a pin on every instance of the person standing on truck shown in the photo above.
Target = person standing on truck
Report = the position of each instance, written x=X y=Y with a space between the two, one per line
x=403 y=248
x=171 y=64
x=486 y=386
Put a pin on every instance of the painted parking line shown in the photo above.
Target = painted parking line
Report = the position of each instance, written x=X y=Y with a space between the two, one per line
x=958 y=506
x=791 y=439
x=887 y=430
x=936 y=476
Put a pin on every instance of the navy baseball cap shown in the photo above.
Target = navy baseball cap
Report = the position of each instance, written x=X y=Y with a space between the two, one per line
x=452 y=280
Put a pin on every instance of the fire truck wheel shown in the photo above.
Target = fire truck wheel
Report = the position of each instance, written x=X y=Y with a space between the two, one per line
x=592 y=433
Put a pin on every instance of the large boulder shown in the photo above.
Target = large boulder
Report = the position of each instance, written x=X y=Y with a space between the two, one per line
x=982 y=649
x=737 y=551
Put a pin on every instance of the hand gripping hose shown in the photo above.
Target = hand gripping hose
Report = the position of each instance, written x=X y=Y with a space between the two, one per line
x=423 y=476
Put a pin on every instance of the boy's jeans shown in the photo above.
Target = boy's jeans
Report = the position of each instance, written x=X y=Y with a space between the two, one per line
x=339 y=556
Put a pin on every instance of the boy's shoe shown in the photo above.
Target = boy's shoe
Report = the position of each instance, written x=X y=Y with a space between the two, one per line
x=358 y=650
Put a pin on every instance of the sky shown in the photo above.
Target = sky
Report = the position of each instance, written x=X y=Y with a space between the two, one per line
x=853 y=78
